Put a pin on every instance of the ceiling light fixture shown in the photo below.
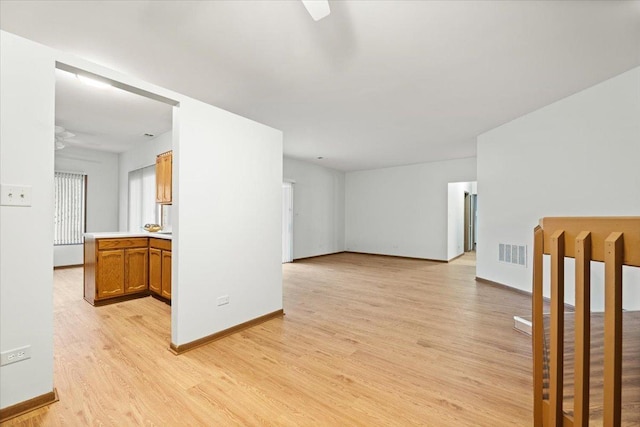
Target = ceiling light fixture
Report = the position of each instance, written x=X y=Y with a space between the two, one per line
x=318 y=9
x=93 y=82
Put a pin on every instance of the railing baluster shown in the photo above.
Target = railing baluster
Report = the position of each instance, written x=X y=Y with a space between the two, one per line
x=582 y=329
x=537 y=328
x=557 y=329
x=613 y=257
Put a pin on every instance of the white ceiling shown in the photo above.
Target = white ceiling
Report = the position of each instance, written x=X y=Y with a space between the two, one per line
x=376 y=83
x=107 y=119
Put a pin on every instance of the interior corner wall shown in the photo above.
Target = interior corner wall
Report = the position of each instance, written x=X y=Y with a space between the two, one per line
x=318 y=208
x=402 y=210
x=577 y=157
x=137 y=158
x=27 y=103
x=101 y=169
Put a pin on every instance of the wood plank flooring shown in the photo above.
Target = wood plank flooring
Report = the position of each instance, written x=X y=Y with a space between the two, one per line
x=630 y=367
x=366 y=341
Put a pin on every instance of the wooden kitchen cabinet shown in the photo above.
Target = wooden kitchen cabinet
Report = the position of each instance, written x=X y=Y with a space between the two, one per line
x=166 y=274
x=110 y=273
x=155 y=270
x=164 y=170
x=115 y=267
x=135 y=270
x=160 y=267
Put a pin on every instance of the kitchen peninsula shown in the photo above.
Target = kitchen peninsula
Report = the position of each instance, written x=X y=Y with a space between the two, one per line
x=120 y=266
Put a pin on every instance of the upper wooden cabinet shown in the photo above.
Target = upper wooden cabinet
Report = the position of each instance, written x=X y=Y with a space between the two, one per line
x=164 y=170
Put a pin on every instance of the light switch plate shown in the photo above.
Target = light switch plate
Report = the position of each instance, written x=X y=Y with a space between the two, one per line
x=15 y=195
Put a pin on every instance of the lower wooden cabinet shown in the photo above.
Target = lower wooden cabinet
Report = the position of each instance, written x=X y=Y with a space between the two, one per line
x=125 y=267
x=135 y=270
x=166 y=274
x=110 y=273
x=160 y=267
x=155 y=270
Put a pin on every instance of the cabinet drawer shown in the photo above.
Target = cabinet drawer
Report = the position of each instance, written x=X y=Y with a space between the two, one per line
x=140 y=242
x=163 y=244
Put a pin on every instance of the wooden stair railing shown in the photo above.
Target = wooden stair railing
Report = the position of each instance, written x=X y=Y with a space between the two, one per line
x=616 y=242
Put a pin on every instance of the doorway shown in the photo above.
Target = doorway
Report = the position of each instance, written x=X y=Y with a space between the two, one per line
x=109 y=134
x=462 y=219
x=287 y=222
x=470 y=219
x=105 y=130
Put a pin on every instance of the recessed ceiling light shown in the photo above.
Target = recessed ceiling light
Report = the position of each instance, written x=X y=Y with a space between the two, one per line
x=93 y=82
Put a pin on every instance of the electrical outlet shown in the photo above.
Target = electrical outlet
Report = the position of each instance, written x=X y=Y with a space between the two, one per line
x=223 y=300
x=15 y=195
x=15 y=355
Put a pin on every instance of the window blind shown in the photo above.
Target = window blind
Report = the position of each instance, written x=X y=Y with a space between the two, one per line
x=142 y=197
x=69 y=208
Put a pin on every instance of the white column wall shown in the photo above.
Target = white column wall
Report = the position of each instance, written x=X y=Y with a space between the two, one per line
x=227 y=220
x=27 y=105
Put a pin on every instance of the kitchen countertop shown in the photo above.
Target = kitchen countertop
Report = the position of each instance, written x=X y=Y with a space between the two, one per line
x=125 y=234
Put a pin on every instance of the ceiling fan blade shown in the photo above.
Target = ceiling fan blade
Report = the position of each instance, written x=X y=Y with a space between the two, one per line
x=318 y=9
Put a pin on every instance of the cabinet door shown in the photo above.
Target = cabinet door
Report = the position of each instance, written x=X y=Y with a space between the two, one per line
x=168 y=170
x=135 y=270
x=160 y=179
x=166 y=274
x=155 y=270
x=110 y=273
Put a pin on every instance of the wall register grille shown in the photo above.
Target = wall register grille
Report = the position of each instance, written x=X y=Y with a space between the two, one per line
x=512 y=254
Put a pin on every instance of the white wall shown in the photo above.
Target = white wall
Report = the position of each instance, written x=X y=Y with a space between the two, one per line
x=228 y=176
x=227 y=220
x=139 y=157
x=402 y=210
x=455 y=246
x=101 y=169
x=318 y=208
x=27 y=102
x=576 y=157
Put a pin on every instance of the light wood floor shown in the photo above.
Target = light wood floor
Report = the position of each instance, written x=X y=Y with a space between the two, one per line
x=366 y=340
x=630 y=367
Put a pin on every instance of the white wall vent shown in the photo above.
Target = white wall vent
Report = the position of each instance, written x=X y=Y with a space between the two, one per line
x=512 y=254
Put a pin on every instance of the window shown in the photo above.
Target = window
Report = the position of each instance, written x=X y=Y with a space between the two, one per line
x=70 y=208
x=142 y=197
